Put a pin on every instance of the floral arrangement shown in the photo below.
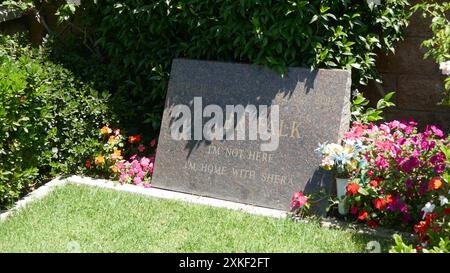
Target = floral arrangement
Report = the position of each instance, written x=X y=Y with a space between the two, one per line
x=345 y=160
x=405 y=182
x=124 y=158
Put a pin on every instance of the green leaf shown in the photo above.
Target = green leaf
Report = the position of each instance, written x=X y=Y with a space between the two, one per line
x=363 y=191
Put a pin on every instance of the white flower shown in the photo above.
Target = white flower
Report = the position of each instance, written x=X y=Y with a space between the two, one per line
x=333 y=148
x=443 y=200
x=445 y=68
x=327 y=161
x=427 y=209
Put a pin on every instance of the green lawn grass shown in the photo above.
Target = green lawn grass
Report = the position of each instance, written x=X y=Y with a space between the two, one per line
x=100 y=220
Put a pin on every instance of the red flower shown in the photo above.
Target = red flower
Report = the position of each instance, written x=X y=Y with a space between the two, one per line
x=88 y=164
x=389 y=199
x=352 y=189
x=354 y=210
x=299 y=200
x=379 y=203
x=435 y=184
x=430 y=217
x=421 y=228
x=419 y=248
x=363 y=215
x=374 y=183
x=372 y=224
x=153 y=143
x=134 y=139
x=447 y=211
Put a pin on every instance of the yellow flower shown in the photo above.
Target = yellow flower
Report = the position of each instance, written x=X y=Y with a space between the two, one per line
x=99 y=160
x=117 y=154
x=114 y=169
x=349 y=149
x=111 y=139
x=352 y=165
x=106 y=130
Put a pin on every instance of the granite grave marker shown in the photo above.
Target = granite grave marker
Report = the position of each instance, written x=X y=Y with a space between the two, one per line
x=314 y=107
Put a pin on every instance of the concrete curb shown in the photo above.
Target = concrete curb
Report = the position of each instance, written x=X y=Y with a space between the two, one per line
x=166 y=194
x=194 y=199
x=151 y=192
x=35 y=195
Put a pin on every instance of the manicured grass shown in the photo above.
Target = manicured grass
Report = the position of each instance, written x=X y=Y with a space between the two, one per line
x=100 y=220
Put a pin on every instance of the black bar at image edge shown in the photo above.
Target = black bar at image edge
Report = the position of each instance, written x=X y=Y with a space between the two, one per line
x=218 y=262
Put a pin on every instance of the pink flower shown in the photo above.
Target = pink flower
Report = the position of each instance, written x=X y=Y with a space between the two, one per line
x=133 y=157
x=137 y=180
x=401 y=141
x=150 y=167
x=409 y=164
x=356 y=131
x=123 y=177
x=395 y=151
x=425 y=145
x=120 y=165
x=436 y=131
x=381 y=162
x=298 y=200
x=394 y=124
x=354 y=210
x=385 y=145
x=439 y=168
x=435 y=159
x=141 y=148
x=135 y=164
x=372 y=129
x=384 y=127
x=409 y=129
x=147 y=185
x=141 y=174
x=145 y=161
x=412 y=122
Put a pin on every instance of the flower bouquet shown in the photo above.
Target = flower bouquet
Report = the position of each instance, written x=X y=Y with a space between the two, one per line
x=345 y=160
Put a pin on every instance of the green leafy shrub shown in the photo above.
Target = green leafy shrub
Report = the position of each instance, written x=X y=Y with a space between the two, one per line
x=363 y=114
x=401 y=247
x=48 y=120
x=137 y=40
x=438 y=45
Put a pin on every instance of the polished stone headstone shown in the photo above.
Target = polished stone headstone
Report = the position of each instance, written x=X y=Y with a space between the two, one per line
x=314 y=108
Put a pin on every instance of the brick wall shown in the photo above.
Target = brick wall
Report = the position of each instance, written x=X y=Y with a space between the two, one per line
x=418 y=83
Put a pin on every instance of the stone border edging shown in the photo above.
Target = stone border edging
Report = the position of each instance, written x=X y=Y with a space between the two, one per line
x=194 y=199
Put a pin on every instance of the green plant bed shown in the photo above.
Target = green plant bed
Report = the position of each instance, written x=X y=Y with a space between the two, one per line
x=49 y=121
x=100 y=220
